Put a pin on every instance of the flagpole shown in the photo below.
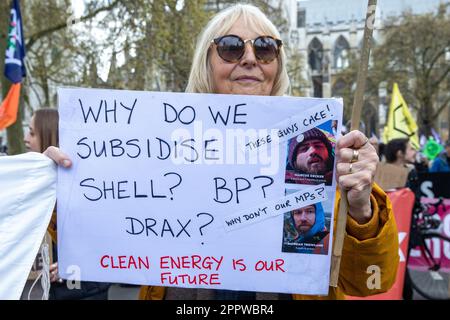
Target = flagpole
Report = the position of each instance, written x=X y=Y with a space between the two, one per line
x=14 y=71
x=356 y=117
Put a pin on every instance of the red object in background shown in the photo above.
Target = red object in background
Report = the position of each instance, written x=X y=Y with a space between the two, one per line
x=10 y=106
x=402 y=204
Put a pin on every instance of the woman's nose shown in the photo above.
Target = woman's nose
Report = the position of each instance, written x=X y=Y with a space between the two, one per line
x=249 y=58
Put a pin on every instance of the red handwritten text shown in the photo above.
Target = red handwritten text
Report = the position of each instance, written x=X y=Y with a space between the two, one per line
x=191 y=262
x=124 y=262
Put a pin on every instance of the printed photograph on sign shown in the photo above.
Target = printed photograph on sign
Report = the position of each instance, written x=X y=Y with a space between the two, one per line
x=310 y=156
x=307 y=230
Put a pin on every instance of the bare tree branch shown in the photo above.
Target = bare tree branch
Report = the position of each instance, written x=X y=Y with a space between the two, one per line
x=441 y=78
x=35 y=37
x=435 y=59
x=441 y=108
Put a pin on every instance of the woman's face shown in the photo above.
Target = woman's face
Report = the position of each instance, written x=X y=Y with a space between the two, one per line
x=31 y=140
x=248 y=75
x=410 y=154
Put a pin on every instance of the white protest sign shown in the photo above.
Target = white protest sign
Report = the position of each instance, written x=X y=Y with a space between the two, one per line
x=27 y=200
x=156 y=175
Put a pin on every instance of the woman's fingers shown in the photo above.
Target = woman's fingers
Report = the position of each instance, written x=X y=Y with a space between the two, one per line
x=348 y=168
x=353 y=155
x=54 y=266
x=58 y=156
x=354 y=139
x=54 y=272
x=356 y=165
x=357 y=181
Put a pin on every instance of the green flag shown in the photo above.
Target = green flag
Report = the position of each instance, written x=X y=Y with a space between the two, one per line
x=432 y=149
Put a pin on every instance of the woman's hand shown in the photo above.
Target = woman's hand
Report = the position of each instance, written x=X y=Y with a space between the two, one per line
x=59 y=157
x=357 y=162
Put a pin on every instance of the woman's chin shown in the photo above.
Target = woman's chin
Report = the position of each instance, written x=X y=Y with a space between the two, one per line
x=250 y=89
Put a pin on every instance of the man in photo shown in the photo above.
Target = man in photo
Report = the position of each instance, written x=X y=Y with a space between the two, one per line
x=310 y=159
x=305 y=230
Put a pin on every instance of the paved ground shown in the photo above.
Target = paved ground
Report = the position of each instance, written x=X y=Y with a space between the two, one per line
x=120 y=292
x=116 y=292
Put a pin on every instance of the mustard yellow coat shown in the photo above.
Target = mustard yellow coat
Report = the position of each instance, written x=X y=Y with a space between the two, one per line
x=374 y=243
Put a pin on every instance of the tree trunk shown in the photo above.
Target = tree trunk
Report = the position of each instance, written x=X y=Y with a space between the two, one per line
x=425 y=116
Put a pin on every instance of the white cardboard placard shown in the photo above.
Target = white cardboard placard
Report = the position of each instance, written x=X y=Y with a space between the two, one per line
x=155 y=176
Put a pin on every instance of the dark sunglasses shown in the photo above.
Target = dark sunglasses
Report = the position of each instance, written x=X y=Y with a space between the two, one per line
x=231 y=48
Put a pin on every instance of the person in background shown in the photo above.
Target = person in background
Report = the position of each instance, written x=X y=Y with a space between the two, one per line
x=42 y=130
x=43 y=133
x=442 y=162
x=381 y=151
x=400 y=152
x=422 y=163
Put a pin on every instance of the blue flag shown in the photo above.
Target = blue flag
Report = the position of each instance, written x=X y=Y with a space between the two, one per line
x=15 y=49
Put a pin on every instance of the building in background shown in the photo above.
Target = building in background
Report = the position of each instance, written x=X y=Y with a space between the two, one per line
x=326 y=31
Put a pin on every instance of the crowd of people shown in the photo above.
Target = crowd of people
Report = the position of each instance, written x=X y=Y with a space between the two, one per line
x=400 y=152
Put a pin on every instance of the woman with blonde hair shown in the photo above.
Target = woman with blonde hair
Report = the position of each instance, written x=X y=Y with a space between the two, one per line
x=204 y=75
x=240 y=52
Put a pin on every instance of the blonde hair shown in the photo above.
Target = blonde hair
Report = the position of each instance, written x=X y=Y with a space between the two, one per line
x=200 y=77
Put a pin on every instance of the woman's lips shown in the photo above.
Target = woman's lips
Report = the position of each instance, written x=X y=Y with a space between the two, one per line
x=247 y=79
